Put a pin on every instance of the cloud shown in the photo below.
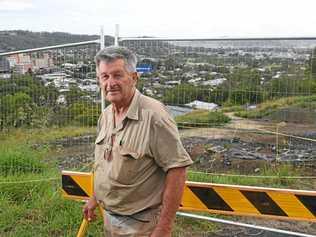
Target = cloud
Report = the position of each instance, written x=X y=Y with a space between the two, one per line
x=16 y=5
x=164 y=18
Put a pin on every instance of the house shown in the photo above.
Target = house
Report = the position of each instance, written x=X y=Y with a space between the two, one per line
x=172 y=83
x=61 y=99
x=22 y=63
x=214 y=82
x=196 y=104
x=195 y=81
x=4 y=64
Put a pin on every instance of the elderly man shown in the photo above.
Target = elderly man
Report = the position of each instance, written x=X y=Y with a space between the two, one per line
x=140 y=162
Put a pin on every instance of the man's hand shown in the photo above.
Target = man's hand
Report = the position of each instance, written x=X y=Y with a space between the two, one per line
x=88 y=209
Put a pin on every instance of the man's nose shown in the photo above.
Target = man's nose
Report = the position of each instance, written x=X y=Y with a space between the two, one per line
x=111 y=82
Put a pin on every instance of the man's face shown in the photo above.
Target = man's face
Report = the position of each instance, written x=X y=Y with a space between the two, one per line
x=117 y=83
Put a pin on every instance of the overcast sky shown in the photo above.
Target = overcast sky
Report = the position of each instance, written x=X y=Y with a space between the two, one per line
x=164 y=18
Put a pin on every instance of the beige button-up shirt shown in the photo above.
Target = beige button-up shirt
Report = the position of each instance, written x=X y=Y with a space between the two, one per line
x=131 y=159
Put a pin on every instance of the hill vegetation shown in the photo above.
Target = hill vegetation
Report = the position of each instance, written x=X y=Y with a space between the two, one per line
x=267 y=108
x=202 y=118
x=19 y=39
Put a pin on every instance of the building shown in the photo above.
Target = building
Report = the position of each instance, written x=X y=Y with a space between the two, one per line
x=4 y=68
x=195 y=81
x=196 y=104
x=13 y=60
x=214 y=83
x=42 y=62
x=173 y=83
x=4 y=65
x=23 y=68
x=21 y=63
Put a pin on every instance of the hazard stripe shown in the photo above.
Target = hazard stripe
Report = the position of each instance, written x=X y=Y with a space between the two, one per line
x=263 y=203
x=211 y=199
x=291 y=205
x=236 y=200
x=84 y=182
x=309 y=202
x=71 y=187
x=189 y=199
x=220 y=198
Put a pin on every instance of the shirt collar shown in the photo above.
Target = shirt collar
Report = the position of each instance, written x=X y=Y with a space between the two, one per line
x=132 y=112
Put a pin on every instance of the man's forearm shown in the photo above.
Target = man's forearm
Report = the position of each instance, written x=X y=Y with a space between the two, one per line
x=172 y=196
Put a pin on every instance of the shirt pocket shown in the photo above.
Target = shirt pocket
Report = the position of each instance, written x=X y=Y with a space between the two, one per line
x=126 y=167
x=102 y=150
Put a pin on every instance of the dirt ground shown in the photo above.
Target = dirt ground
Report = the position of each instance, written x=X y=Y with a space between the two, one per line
x=251 y=132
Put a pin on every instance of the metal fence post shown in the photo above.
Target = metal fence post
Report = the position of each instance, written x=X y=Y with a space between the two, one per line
x=102 y=47
x=116 y=37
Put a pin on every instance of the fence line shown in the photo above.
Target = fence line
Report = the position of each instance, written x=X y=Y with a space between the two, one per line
x=253 y=176
x=214 y=63
x=121 y=39
x=262 y=69
x=50 y=47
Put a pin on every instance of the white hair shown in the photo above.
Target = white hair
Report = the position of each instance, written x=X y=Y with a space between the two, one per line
x=112 y=53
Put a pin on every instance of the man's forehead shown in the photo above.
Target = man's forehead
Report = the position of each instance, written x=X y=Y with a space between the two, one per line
x=116 y=65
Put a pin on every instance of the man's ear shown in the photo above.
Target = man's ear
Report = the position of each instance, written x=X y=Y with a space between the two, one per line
x=135 y=76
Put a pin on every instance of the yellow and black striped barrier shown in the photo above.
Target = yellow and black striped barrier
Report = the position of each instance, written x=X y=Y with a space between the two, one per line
x=220 y=198
x=250 y=201
x=77 y=185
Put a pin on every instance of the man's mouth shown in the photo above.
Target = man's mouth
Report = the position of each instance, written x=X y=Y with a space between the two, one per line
x=112 y=91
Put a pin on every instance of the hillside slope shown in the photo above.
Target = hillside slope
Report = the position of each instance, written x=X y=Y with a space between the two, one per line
x=18 y=39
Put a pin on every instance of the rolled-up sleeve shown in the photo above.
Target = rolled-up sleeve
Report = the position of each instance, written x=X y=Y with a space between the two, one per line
x=166 y=146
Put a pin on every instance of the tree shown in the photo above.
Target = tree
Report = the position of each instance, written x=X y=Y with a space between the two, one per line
x=74 y=94
x=16 y=110
x=244 y=87
x=313 y=64
x=85 y=114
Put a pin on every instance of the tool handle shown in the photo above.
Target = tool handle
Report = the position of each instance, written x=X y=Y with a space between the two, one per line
x=83 y=228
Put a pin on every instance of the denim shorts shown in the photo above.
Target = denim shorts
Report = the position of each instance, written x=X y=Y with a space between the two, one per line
x=140 y=224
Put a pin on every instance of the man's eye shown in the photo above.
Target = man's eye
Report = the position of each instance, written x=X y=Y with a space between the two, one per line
x=118 y=76
x=104 y=77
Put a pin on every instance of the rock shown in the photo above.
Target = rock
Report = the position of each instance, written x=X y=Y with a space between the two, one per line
x=215 y=149
x=227 y=162
x=235 y=139
x=258 y=148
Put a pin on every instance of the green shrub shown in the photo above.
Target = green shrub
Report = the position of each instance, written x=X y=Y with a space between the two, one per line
x=30 y=197
x=202 y=118
x=20 y=159
x=87 y=119
x=253 y=114
x=272 y=175
x=21 y=192
x=42 y=211
x=269 y=107
x=232 y=108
